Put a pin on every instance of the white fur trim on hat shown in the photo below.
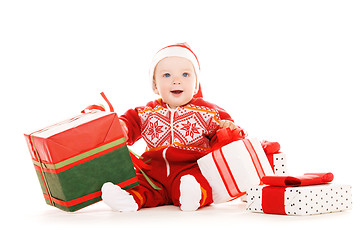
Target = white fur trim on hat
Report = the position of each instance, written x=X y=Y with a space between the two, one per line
x=176 y=50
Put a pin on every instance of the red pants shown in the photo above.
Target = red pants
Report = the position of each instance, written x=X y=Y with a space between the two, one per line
x=146 y=196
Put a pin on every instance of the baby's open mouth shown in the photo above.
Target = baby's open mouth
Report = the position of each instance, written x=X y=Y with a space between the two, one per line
x=177 y=91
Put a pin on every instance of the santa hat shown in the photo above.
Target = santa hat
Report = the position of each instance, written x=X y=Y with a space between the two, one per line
x=177 y=50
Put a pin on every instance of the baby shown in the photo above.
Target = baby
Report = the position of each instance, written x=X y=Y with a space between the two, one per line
x=179 y=128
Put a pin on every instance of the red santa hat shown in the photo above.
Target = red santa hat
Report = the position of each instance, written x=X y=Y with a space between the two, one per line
x=177 y=50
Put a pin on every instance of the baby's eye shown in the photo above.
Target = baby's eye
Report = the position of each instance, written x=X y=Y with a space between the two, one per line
x=185 y=74
x=166 y=75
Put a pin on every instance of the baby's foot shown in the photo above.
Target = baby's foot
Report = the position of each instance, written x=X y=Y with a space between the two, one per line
x=190 y=193
x=118 y=199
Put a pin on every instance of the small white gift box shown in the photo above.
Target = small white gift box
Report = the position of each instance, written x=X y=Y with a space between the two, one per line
x=305 y=200
x=234 y=168
x=280 y=164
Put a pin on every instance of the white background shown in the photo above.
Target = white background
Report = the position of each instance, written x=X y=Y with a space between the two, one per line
x=286 y=71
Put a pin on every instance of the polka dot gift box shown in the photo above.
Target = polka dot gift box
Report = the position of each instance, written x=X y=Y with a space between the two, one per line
x=279 y=164
x=298 y=196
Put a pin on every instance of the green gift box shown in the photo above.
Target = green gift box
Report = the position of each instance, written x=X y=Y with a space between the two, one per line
x=74 y=158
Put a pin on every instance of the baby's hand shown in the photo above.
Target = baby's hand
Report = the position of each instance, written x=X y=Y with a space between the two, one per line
x=227 y=124
x=122 y=123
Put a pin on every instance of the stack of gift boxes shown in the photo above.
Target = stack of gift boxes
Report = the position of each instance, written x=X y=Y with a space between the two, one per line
x=241 y=167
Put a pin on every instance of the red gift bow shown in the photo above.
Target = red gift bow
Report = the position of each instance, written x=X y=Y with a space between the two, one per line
x=100 y=107
x=305 y=180
x=225 y=136
x=273 y=196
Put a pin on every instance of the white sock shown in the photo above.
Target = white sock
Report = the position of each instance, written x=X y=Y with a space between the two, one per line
x=190 y=193
x=117 y=198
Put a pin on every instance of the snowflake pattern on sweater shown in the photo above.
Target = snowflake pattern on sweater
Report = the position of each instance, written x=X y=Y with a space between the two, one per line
x=188 y=127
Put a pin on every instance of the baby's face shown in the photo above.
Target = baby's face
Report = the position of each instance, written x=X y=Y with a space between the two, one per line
x=175 y=80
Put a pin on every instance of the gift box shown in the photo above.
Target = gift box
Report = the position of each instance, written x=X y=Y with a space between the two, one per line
x=279 y=164
x=74 y=158
x=233 y=168
x=302 y=199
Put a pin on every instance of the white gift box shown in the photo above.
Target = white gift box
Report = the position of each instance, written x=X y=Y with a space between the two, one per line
x=279 y=168
x=280 y=164
x=235 y=167
x=305 y=200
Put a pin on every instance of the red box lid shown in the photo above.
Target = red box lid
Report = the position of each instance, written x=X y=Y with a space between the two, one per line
x=74 y=136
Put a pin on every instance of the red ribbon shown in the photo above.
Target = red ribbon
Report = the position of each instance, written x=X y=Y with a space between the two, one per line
x=108 y=102
x=139 y=164
x=100 y=107
x=273 y=200
x=93 y=107
x=305 y=180
x=226 y=174
x=255 y=160
x=225 y=136
x=88 y=197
